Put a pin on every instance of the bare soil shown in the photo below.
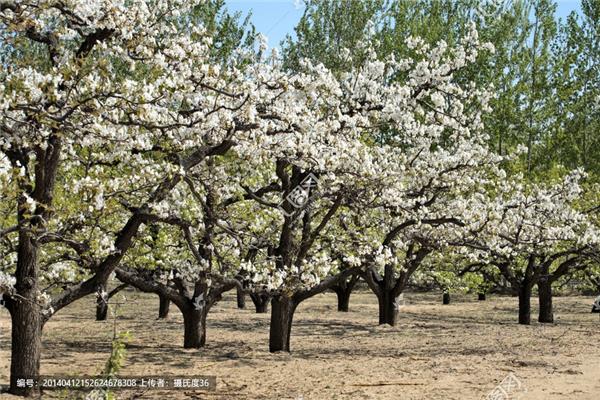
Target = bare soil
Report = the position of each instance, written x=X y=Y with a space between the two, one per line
x=457 y=351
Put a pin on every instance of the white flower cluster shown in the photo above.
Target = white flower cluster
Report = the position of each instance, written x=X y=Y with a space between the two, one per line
x=7 y=283
x=401 y=164
x=536 y=220
x=44 y=300
x=61 y=271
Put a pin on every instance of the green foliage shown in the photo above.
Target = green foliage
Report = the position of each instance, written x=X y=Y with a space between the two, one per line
x=575 y=101
x=229 y=31
x=477 y=282
x=329 y=27
x=117 y=355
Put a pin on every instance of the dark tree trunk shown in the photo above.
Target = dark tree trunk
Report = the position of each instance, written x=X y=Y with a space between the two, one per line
x=26 y=319
x=525 y=304
x=26 y=345
x=388 y=308
x=282 y=314
x=26 y=313
x=546 y=314
x=343 y=298
x=102 y=300
x=194 y=321
x=446 y=298
x=481 y=296
x=343 y=291
x=101 y=303
x=101 y=310
x=163 y=306
x=261 y=302
x=241 y=298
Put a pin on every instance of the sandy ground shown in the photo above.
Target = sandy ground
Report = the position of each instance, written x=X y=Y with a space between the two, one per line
x=459 y=351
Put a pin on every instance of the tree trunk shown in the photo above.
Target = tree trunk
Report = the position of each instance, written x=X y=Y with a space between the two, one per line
x=446 y=298
x=101 y=303
x=388 y=308
x=343 y=291
x=241 y=298
x=26 y=346
x=343 y=298
x=261 y=302
x=525 y=304
x=102 y=299
x=194 y=322
x=282 y=313
x=163 y=307
x=481 y=296
x=26 y=319
x=546 y=314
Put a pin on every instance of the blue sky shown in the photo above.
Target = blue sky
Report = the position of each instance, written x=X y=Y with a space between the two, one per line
x=276 y=18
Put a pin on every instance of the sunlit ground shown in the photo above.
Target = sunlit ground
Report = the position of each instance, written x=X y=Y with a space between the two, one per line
x=459 y=351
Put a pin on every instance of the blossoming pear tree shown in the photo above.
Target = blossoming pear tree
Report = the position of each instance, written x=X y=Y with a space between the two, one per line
x=589 y=279
x=535 y=234
x=434 y=165
x=400 y=166
x=258 y=196
x=187 y=255
x=105 y=107
x=126 y=149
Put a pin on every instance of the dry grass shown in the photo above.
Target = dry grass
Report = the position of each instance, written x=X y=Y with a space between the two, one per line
x=460 y=351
